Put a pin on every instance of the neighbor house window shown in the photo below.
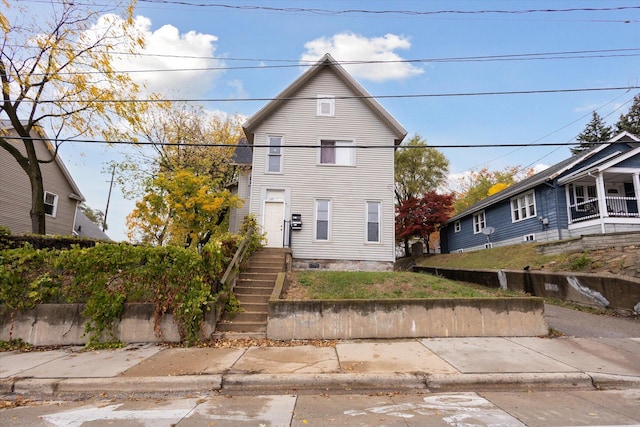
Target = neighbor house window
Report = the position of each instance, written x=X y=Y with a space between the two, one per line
x=322 y=219
x=50 y=203
x=326 y=105
x=523 y=207
x=337 y=153
x=456 y=227
x=373 y=221
x=478 y=222
x=274 y=155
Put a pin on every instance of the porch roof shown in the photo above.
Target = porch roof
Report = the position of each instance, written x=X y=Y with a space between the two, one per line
x=601 y=166
x=546 y=175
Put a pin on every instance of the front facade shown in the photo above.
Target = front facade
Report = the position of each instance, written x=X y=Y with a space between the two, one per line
x=62 y=195
x=312 y=187
x=593 y=192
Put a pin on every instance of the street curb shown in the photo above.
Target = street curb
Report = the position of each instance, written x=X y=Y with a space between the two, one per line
x=610 y=381
x=509 y=382
x=36 y=386
x=328 y=381
x=133 y=385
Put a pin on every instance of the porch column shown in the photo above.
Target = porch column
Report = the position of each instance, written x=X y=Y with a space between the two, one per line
x=636 y=187
x=567 y=195
x=602 y=201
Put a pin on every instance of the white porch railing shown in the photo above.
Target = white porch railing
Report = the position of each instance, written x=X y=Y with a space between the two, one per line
x=617 y=207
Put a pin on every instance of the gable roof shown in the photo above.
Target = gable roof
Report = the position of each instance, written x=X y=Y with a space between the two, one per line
x=77 y=194
x=547 y=175
x=84 y=227
x=325 y=62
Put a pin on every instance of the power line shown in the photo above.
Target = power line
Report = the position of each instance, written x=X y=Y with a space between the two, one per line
x=306 y=98
x=290 y=63
x=330 y=12
x=211 y=145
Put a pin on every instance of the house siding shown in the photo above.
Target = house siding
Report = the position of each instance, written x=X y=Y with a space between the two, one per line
x=348 y=187
x=15 y=195
x=550 y=204
x=241 y=189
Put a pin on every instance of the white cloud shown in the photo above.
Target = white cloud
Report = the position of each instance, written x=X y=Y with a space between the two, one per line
x=168 y=49
x=354 y=47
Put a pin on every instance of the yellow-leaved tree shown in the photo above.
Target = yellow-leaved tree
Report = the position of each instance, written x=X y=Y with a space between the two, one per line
x=183 y=198
x=181 y=208
x=57 y=74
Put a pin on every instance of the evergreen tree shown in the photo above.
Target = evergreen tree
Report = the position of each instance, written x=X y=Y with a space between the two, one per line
x=595 y=131
x=630 y=122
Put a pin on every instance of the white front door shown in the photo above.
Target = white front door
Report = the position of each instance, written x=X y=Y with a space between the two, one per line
x=274 y=223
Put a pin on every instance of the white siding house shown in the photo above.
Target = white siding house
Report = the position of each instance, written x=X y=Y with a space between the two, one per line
x=62 y=195
x=324 y=150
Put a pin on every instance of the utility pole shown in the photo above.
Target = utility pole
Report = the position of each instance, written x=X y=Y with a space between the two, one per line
x=106 y=210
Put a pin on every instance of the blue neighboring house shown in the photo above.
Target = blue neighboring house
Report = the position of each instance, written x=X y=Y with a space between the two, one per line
x=596 y=191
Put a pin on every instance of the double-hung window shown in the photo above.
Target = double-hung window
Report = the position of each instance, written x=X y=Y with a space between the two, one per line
x=340 y=153
x=479 y=222
x=523 y=207
x=274 y=154
x=50 y=204
x=373 y=222
x=322 y=219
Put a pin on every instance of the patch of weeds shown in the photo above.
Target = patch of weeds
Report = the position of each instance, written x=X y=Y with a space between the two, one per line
x=16 y=344
x=580 y=263
x=233 y=305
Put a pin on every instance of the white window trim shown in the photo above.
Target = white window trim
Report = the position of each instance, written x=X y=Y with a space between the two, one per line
x=457 y=227
x=366 y=222
x=348 y=143
x=315 y=220
x=324 y=100
x=268 y=154
x=477 y=228
x=584 y=207
x=55 y=203
x=519 y=200
x=530 y=237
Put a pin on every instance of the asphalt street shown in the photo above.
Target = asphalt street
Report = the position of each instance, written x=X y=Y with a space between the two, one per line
x=468 y=409
x=579 y=324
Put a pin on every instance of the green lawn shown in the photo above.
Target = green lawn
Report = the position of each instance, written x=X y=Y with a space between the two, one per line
x=513 y=257
x=379 y=285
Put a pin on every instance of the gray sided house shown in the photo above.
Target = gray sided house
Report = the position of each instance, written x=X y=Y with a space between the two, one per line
x=593 y=192
x=311 y=187
x=61 y=194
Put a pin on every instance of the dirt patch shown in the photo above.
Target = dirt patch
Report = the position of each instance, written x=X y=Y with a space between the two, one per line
x=292 y=289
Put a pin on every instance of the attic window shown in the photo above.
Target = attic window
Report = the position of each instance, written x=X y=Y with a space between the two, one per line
x=326 y=105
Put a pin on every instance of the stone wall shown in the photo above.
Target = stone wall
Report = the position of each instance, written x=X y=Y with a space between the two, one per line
x=590 y=242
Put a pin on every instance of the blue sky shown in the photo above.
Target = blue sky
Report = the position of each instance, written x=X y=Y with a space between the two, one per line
x=236 y=36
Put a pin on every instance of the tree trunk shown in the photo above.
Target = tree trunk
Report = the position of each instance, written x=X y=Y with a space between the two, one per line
x=38 y=218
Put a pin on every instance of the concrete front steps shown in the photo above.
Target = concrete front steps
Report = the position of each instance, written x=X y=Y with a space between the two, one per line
x=253 y=290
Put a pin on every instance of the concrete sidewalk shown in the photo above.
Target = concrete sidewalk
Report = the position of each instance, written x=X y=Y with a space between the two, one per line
x=429 y=364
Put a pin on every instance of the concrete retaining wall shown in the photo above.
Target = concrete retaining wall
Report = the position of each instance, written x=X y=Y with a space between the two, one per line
x=62 y=324
x=355 y=319
x=615 y=292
